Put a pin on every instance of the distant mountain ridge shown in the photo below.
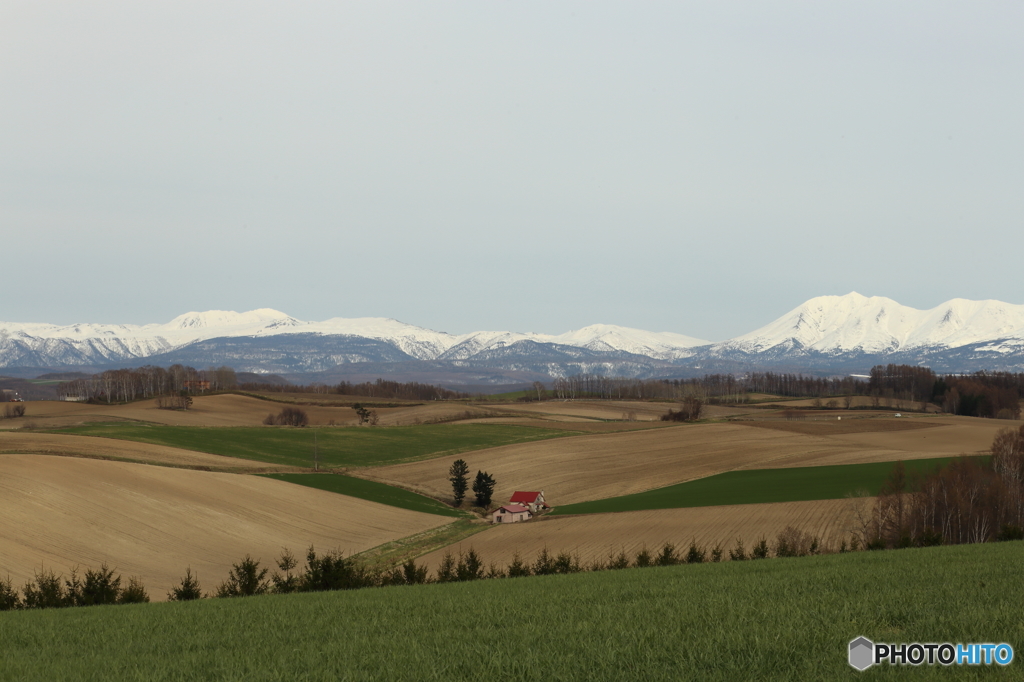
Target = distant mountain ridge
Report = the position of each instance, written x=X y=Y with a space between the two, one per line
x=827 y=334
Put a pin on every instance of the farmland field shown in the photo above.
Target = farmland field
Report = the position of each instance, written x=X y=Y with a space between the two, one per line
x=369 y=490
x=156 y=521
x=34 y=442
x=593 y=537
x=337 y=447
x=760 y=620
x=610 y=465
x=747 y=486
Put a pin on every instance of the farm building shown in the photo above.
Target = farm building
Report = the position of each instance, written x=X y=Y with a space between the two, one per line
x=511 y=513
x=533 y=501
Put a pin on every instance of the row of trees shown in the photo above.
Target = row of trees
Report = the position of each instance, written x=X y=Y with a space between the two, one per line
x=483 y=485
x=967 y=501
x=48 y=590
x=411 y=390
x=124 y=385
x=333 y=571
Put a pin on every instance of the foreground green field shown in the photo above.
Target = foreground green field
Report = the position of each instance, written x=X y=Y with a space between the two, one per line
x=778 y=619
x=370 y=490
x=754 y=486
x=337 y=446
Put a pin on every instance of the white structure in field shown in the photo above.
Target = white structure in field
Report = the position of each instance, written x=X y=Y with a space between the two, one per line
x=511 y=513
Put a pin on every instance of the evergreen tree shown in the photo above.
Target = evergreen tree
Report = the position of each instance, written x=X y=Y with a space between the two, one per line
x=458 y=475
x=483 y=487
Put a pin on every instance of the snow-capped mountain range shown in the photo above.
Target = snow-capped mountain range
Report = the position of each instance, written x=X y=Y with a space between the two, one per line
x=825 y=334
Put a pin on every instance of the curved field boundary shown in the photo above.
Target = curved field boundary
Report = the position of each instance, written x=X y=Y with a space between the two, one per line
x=757 y=486
x=154 y=522
x=370 y=490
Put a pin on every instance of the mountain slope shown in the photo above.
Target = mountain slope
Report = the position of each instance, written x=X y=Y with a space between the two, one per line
x=827 y=334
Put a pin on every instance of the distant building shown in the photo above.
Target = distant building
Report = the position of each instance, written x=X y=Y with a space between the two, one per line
x=196 y=385
x=511 y=513
x=534 y=501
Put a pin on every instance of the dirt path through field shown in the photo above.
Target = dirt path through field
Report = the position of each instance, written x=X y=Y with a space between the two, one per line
x=156 y=521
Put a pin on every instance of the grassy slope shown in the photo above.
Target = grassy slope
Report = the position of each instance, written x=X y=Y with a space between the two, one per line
x=370 y=490
x=338 y=446
x=750 y=486
x=777 y=619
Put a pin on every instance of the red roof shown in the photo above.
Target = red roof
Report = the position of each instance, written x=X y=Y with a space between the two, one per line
x=514 y=509
x=522 y=496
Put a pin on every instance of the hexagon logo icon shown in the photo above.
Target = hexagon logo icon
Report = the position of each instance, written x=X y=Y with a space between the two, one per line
x=862 y=653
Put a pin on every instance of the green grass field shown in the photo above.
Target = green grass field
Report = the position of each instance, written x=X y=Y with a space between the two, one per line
x=751 y=486
x=779 y=619
x=337 y=446
x=370 y=490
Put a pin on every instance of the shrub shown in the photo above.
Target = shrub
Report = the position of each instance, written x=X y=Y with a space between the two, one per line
x=100 y=587
x=446 y=571
x=695 y=554
x=643 y=558
x=691 y=410
x=332 y=571
x=289 y=416
x=668 y=556
x=9 y=599
x=567 y=563
x=544 y=565
x=188 y=590
x=285 y=582
x=45 y=591
x=14 y=411
x=246 y=579
x=470 y=567
x=619 y=562
x=792 y=542
x=716 y=553
x=1009 y=532
x=517 y=569
x=740 y=553
x=760 y=550
x=134 y=593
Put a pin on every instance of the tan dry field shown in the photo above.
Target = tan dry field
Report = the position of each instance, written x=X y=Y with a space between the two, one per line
x=592 y=467
x=568 y=410
x=594 y=536
x=28 y=442
x=232 y=410
x=861 y=401
x=216 y=410
x=154 y=522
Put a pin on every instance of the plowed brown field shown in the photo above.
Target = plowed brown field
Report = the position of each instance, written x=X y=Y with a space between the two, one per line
x=29 y=442
x=155 y=521
x=597 y=466
x=568 y=410
x=593 y=467
x=594 y=536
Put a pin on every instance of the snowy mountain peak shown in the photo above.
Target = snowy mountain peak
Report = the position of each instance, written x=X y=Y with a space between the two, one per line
x=856 y=323
x=229 y=318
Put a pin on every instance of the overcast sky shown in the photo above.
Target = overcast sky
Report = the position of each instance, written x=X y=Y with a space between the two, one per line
x=534 y=166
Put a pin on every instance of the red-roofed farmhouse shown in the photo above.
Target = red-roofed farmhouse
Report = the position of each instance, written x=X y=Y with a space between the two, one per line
x=534 y=501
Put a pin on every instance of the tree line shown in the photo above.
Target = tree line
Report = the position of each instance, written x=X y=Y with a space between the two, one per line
x=125 y=385
x=968 y=501
x=333 y=571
